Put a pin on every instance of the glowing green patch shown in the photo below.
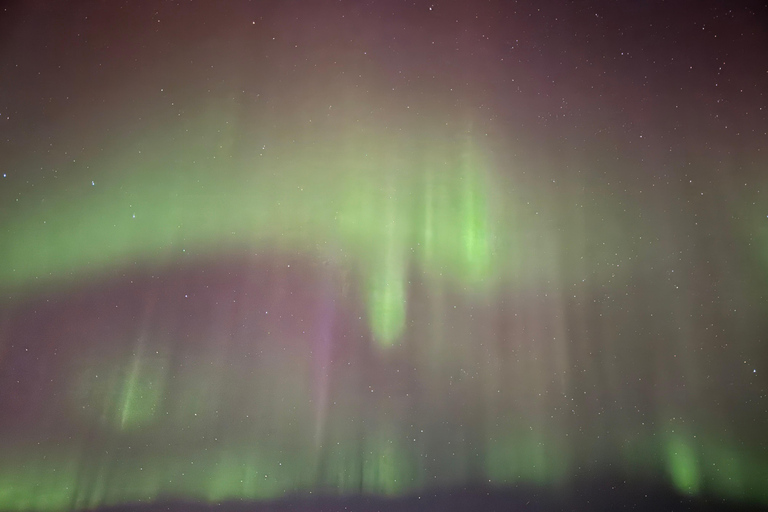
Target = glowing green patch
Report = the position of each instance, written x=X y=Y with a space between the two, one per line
x=683 y=465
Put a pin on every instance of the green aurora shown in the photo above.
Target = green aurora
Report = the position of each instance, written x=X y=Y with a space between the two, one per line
x=277 y=250
x=444 y=215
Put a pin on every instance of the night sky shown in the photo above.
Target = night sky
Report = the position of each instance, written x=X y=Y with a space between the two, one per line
x=383 y=255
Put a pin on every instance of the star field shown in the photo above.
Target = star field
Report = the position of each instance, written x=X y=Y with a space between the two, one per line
x=379 y=255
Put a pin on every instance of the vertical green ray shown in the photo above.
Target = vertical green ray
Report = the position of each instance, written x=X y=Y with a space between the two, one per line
x=475 y=235
x=683 y=464
x=387 y=293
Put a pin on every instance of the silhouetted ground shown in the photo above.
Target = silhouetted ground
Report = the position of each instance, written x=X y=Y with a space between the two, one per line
x=595 y=498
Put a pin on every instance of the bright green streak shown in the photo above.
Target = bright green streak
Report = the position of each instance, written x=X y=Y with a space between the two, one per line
x=125 y=396
x=140 y=397
x=683 y=465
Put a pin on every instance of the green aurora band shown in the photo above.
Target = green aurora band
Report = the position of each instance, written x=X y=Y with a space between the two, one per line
x=365 y=203
x=369 y=205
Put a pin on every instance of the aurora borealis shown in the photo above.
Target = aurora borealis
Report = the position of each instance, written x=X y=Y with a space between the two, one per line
x=303 y=254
